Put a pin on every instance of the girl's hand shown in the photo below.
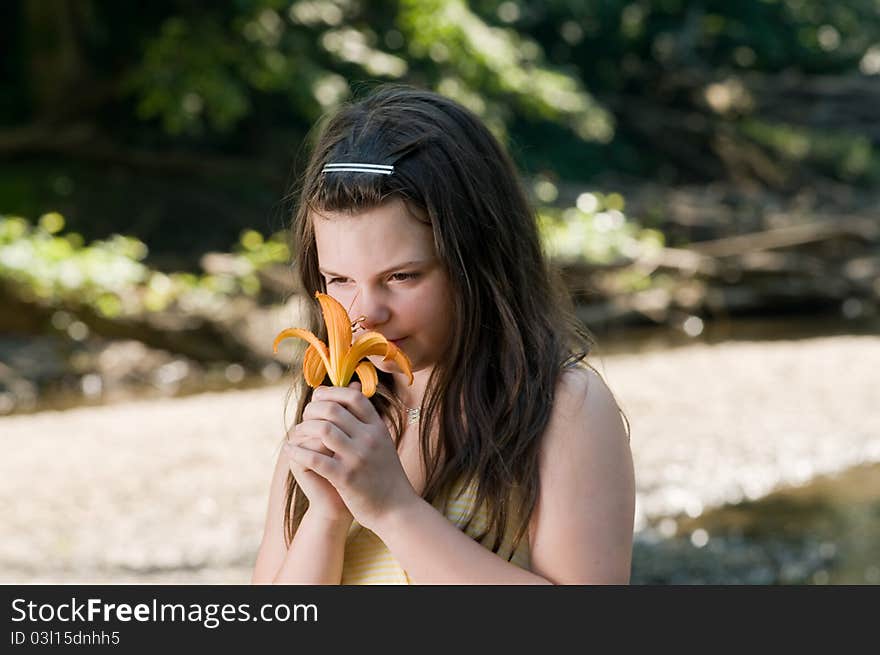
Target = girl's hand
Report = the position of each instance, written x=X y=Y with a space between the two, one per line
x=365 y=468
x=324 y=500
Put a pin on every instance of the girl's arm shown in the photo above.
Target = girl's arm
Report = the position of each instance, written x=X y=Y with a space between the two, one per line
x=582 y=528
x=316 y=553
x=433 y=551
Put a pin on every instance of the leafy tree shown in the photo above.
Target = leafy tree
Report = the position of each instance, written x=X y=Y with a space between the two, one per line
x=216 y=97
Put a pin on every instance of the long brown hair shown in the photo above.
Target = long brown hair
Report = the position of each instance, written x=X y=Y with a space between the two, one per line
x=513 y=325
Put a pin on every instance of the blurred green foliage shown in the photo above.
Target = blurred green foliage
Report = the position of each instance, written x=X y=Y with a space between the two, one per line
x=218 y=72
x=40 y=262
x=840 y=153
x=207 y=72
x=595 y=231
x=97 y=95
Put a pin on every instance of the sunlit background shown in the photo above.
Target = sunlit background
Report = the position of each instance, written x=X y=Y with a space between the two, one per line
x=706 y=177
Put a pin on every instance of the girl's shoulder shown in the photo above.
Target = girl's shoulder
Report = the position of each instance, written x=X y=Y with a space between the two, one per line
x=578 y=383
x=585 y=463
x=576 y=378
x=585 y=419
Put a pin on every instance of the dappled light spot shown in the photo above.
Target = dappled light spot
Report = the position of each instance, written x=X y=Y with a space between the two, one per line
x=693 y=326
x=234 y=373
x=699 y=538
x=92 y=385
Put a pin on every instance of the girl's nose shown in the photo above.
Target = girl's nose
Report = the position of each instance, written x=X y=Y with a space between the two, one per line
x=368 y=313
x=369 y=322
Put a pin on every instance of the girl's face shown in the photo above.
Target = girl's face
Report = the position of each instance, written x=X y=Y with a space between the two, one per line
x=382 y=264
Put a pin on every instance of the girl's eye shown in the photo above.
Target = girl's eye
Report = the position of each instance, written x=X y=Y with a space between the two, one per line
x=396 y=276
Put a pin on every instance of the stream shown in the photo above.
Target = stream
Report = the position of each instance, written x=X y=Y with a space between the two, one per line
x=824 y=532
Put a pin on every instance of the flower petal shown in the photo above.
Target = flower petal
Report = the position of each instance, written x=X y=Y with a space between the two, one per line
x=299 y=333
x=368 y=343
x=338 y=335
x=395 y=354
x=368 y=377
x=314 y=369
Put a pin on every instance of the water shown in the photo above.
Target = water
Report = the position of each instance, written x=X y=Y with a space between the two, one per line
x=825 y=532
x=647 y=338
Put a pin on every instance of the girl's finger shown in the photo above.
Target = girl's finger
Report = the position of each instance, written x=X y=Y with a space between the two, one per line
x=323 y=465
x=352 y=399
x=316 y=429
x=316 y=444
x=338 y=442
x=337 y=413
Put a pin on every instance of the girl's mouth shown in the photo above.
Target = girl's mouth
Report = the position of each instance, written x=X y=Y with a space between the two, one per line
x=397 y=342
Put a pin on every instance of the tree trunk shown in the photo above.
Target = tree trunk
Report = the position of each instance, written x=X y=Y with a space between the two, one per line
x=56 y=65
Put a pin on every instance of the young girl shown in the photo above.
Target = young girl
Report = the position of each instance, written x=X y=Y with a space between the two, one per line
x=505 y=461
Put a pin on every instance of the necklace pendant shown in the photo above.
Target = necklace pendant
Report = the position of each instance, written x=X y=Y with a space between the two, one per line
x=412 y=414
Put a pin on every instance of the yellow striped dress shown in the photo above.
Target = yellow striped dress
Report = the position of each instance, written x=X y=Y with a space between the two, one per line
x=369 y=562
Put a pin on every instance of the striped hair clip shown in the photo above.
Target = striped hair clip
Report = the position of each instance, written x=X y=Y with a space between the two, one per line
x=354 y=167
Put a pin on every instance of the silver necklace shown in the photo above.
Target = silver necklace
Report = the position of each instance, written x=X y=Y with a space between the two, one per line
x=412 y=414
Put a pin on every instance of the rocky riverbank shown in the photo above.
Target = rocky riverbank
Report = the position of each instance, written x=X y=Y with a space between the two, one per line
x=174 y=490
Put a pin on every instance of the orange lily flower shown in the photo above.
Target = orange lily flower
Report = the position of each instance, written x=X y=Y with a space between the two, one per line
x=342 y=358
